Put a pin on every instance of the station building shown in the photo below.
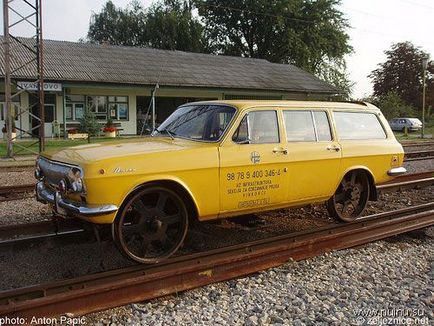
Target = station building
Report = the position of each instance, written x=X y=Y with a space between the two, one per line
x=117 y=82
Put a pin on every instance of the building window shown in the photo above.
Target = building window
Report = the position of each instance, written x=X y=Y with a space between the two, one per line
x=115 y=107
x=98 y=105
x=118 y=107
x=74 y=109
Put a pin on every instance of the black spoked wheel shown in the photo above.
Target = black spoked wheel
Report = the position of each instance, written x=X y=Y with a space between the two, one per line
x=151 y=225
x=351 y=197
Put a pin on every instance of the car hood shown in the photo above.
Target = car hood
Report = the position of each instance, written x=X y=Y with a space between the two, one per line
x=84 y=154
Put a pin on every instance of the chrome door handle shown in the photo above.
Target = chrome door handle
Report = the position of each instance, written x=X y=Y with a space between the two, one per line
x=333 y=148
x=280 y=150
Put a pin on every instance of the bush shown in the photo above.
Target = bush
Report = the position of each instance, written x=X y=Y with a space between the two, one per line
x=89 y=124
x=393 y=106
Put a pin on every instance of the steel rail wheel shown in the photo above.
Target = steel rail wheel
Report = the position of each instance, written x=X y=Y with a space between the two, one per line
x=151 y=225
x=351 y=197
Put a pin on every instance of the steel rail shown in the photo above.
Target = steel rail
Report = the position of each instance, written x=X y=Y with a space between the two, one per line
x=101 y=291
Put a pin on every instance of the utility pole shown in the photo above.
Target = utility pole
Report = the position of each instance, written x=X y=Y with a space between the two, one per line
x=424 y=67
x=8 y=101
x=29 y=13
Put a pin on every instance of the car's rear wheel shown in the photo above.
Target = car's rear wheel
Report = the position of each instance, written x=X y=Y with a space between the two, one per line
x=351 y=197
x=151 y=225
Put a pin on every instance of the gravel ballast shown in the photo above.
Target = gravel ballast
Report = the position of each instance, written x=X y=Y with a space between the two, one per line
x=374 y=284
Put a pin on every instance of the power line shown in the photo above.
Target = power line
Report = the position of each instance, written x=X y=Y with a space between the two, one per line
x=417 y=4
x=258 y=13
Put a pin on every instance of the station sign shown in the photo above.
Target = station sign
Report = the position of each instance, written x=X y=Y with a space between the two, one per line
x=33 y=86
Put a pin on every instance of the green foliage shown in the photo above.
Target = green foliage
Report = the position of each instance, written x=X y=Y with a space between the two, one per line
x=402 y=73
x=109 y=122
x=392 y=106
x=309 y=34
x=89 y=124
x=168 y=24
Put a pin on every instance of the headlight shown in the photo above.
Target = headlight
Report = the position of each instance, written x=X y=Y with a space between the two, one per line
x=75 y=178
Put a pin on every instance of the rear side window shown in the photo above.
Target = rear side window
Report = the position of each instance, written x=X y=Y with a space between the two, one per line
x=300 y=126
x=356 y=125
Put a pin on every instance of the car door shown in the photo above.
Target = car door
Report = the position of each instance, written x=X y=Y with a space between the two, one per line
x=314 y=156
x=252 y=164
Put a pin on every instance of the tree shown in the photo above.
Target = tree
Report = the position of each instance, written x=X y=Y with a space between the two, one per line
x=168 y=24
x=402 y=74
x=392 y=106
x=118 y=26
x=89 y=124
x=309 y=34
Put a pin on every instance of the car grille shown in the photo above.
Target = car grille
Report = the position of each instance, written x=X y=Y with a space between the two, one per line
x=53 y=171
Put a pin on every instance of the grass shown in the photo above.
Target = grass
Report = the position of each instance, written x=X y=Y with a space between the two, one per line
x=51 y=144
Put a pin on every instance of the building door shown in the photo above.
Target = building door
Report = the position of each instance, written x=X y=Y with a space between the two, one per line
x=50 y=113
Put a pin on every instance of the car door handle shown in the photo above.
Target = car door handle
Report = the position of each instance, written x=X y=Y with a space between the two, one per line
x=280 y=150
x=333 y=148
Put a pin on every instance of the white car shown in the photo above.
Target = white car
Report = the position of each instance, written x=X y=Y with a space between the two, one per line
x=399 y=124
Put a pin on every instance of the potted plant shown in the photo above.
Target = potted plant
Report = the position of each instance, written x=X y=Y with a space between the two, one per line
x=110 y=129
x=5 y=131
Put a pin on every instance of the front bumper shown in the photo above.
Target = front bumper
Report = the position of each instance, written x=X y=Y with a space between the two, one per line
x=64 y=206
x=396 y=171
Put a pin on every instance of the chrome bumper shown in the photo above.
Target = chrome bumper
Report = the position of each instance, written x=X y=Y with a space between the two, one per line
x=62 y=205
x=396 y=171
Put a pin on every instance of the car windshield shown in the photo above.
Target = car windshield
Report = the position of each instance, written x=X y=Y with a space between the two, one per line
x=197 y=122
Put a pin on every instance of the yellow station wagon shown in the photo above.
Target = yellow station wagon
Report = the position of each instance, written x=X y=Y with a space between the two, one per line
x=218 y=159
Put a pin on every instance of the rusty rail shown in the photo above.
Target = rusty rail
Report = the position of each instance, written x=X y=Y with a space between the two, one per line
x=11 y=235
x=8 y=193
x=417 y=143
x=409 y=181
x=101 y=291
x=419 y=155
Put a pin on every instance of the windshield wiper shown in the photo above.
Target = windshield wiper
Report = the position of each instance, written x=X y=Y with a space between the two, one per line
x=166 y=131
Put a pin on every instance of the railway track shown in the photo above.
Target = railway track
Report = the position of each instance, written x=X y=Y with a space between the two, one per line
x=105 y=290
x=8 y=193
x=419 y=155
x=417 y=143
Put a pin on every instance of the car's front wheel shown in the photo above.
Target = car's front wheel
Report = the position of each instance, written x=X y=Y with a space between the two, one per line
x=351 y=197
x=151 y=225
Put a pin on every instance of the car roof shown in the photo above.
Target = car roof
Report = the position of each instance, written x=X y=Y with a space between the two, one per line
x=246 y=104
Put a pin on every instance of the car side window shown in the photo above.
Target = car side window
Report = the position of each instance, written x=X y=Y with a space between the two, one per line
x=299 y=126
x=356 y=125
x=258 y=127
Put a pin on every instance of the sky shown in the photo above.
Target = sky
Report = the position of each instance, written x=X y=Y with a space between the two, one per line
x=375 y=26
